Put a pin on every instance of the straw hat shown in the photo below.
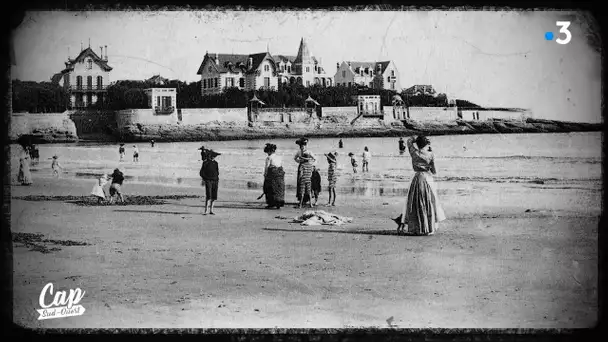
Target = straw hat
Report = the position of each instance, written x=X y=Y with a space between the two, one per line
x=302 y=141
x=213 y=154
x=331 y=156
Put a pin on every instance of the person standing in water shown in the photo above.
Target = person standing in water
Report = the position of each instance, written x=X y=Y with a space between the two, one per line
x=366 y=159
x=353 y=162
x=210 y=174
x=121 y=152
x=401 y=145
x=55 y=166
x=152 y=143
x=340 y=144
x=135 y=154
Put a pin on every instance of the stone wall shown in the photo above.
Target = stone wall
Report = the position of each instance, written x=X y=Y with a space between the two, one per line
x=90 y=122
x=433 y=113
x=197 y=116
x=43 y=127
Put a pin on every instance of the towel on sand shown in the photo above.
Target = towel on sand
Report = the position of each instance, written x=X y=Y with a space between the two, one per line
x=320 y=217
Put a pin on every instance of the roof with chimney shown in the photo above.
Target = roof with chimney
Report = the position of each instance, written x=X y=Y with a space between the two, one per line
x=234 y=62
x=355 y=66
x=157 y=79
x=88 y=52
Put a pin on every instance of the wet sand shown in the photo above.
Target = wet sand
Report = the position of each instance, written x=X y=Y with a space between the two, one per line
x=169 y=266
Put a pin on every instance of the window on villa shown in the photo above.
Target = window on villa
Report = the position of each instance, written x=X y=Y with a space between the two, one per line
x=388 y=79
x=307 y=69
x=90 y=82
x=242 y=82
x=289 y=68
x=204 y=83
x=158 y=101
x=393 y=85
x=343 y=73
x=209 y=69
x=166 y=101
x=230 y=82
x=79 y=82
x=99 y=82
x=393 y=73
x=266 y=67
x=308 y=83
x=89 y=64
x=217 y=81
x=267 y=82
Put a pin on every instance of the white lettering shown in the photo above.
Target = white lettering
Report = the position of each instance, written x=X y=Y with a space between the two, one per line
x=48 y=287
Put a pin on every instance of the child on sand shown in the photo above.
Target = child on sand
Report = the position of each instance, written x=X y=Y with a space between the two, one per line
x=98 y=189
x=135 y=154
x=210 y=174
x=353 y=162
x=332 y=176
x=56 y=166
x=315 y=181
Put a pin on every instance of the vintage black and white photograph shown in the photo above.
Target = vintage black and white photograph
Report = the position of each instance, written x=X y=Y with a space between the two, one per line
x=312 y=168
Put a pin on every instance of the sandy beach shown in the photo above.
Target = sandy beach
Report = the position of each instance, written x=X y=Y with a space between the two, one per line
x=518 y=261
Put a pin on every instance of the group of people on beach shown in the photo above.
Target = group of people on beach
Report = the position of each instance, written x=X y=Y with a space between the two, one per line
x=122 y=152
x=421 y=211
x=117 y=178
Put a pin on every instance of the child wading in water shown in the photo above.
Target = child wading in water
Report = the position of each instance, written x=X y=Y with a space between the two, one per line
x=210 y=174
x=98 y=189
x=315 y=181
x=306 y=177
x=332 y=176
x=56 y=166
x=353 y=162
x=135 y=154
x=366 y=158
x=121 y=152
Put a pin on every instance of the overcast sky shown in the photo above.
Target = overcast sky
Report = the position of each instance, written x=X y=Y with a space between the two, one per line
x=489 y=58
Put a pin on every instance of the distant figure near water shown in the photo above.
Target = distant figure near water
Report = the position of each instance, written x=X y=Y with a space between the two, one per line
x=340 y=144
x=25 y=176
x=401 y=145
x=366 y=159
x=55 y=166
x=152 y=143
x=135 y=154
x=353 y=162
x=332 y=176
x=121 y=152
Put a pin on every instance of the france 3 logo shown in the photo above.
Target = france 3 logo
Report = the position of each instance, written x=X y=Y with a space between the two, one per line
x=563 y=30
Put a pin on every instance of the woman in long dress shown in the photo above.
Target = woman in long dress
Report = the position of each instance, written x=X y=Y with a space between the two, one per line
x=302 y=142
x=422 y=211
x=274 y=178
x=25 y=176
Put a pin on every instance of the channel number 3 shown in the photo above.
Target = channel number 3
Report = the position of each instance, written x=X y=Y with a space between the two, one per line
x=564 y=29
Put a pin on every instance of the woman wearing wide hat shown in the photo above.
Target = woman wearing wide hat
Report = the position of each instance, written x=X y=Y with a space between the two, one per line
x=302 y=142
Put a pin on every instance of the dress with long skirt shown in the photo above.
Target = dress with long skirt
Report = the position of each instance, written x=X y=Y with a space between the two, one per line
x=422 y=211
x=274 y=186
x=25 y=176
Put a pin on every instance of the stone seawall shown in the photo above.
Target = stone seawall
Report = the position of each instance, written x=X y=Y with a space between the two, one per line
x=128 y=127
x=43 y=127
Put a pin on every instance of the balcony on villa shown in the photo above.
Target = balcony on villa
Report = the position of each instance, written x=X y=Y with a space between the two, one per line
x=88 y=88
